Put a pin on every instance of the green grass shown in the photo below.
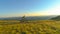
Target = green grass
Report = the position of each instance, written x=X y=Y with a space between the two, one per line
x=32 y=27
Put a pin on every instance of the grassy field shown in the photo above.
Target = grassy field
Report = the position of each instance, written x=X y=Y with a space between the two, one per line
x=32 y=27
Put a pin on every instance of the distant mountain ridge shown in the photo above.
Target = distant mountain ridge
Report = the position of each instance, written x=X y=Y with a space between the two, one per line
x=29 y=18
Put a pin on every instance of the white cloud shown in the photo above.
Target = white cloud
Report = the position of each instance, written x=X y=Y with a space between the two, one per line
x=52 y=11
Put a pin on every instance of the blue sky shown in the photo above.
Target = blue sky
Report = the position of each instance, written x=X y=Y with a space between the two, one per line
x=11 y=8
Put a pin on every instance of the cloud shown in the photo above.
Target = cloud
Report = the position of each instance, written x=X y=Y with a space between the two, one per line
x=55 y=10
x=52 y=11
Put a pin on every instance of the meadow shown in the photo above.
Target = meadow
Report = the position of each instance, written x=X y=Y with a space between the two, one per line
x=30 y=27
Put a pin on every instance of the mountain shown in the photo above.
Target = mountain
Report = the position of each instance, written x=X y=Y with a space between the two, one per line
x=29 y=18
x=40 y=17
x=56 y=18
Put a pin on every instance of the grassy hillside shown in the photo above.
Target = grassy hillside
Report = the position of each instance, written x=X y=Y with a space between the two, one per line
x=56 y=18
x=32 y=27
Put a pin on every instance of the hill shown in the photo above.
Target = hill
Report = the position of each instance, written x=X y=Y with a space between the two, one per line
x=33 y=27
x=56 y=18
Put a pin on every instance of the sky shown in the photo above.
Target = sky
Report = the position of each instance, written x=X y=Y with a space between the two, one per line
x=12 y=8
